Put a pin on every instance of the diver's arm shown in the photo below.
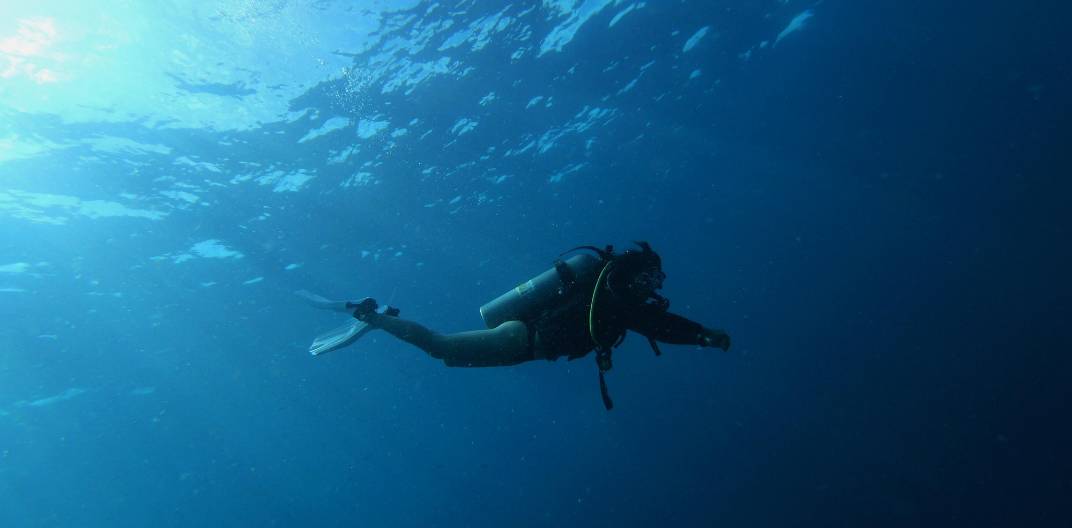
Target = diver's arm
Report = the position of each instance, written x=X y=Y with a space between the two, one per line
x=651 y=321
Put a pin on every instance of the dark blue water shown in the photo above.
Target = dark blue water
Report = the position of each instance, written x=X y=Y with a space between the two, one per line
x=870 y=197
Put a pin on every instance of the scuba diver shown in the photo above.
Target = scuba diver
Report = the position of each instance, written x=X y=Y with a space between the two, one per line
x=583 y=304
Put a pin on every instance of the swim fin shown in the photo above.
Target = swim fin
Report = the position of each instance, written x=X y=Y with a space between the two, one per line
x=325 y=304
x=340 y=337
x=346 y=334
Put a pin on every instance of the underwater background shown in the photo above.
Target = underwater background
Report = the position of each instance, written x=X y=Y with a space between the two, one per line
x=870 y=197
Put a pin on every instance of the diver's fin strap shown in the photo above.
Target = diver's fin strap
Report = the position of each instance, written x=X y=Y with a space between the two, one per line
x=604 y=363
x=654 y=346
x=565 y=275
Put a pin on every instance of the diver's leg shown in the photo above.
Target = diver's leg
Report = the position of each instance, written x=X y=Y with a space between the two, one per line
x=506 y=344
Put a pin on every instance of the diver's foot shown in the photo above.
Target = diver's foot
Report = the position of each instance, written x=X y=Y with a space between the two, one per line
x=362 y=308
x=392 y=311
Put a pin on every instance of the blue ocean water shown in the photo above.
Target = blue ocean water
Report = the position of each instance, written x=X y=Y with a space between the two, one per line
x=870 y=197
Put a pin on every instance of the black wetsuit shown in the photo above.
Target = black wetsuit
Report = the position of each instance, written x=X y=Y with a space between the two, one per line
x=564 y=332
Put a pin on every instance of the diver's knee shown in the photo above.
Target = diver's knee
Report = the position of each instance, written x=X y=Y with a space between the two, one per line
x=438 y=347
x=514 y=330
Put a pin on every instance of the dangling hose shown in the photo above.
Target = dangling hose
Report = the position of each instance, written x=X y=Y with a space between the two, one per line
x=592 y=307
x=602 y=351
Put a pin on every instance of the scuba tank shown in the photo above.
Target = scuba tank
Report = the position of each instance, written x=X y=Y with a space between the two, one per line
x=530 y=298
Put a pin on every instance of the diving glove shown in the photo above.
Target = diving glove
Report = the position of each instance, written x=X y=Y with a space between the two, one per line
x=715 y=338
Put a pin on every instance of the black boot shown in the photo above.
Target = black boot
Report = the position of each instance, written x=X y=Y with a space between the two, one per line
x=363 y=307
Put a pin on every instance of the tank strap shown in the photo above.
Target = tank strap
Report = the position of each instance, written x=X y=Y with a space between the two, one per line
x=604 y=363
x=654 y=346
x=607 y=402
x=606 y=253
x=565 y=275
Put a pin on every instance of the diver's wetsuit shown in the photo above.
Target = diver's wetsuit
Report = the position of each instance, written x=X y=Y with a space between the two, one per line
x=566 y=333
x=561 y=330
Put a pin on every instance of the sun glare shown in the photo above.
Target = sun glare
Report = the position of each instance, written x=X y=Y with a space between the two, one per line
x=22 y=53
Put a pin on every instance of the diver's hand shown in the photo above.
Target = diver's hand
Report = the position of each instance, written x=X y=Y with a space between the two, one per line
x=715 y=338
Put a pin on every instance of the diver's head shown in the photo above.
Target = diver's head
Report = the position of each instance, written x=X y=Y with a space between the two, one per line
x=638 y=273
x=645 y=283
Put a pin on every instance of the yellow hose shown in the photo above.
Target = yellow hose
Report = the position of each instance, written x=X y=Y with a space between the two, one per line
x=592 y=307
